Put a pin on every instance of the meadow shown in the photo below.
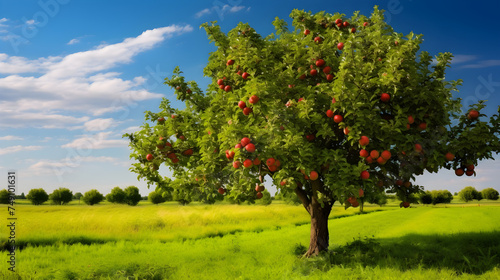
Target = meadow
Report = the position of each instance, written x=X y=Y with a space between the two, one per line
x=168 y=241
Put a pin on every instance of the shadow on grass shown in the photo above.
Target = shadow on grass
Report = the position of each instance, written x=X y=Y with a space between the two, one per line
x=471 y=253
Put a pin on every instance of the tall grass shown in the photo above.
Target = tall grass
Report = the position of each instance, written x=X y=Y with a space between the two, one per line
x=422 y=243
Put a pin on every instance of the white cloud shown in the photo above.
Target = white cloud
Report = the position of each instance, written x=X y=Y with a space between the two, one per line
x=44 y=167
x=2 y=20
x=202 y=13
x=30 y=22
x=460 y=58
x=95 y=142
x=131 y=129
x=99 y=124
x=236 y=9
x=483 y=64
x=10 y=138
x=54 y=88
x=73 y=41
x=18 y=148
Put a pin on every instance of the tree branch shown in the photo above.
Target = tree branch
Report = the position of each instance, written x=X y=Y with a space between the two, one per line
x=302 y=195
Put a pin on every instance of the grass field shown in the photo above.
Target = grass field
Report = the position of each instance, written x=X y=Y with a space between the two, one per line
x=254 y=242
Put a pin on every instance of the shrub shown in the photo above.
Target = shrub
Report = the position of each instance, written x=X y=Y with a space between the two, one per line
x=61 y=196
x=117 y=195
x=92 y=197
x=425 y=197
x=469 y=193
x=37 y=196
x=4 y=196
x=156 y=197
x=132 y=195
x=77 y=195
x=266 y=198
x=490 y=193
x=441 y=196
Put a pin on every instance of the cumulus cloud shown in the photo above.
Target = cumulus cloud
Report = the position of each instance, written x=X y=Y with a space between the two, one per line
x=73 y=41
x=59 y=87
x=10 y=138
x=99 y=124
x=60 y=167
x=97 y=141
x=18 y=148
x=202 y=13
x=131 y=129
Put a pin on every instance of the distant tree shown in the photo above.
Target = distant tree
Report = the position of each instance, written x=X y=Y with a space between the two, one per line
x=266 y=198
x=4 y=196
x=78 y=195
x=117 y=195
x=156 y=197
x=288 y=197
x=490 y=193
x=37 y=196
x=468 y=193
x=455 y=193
x=92 y=197
x=425 y=197
x=377 y=198
x=479 y=196
x=61 y=196
x=132 y=195
x=441 y=196
x=21 y=196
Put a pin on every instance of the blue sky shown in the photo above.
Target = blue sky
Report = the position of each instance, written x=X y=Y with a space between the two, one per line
x=76 y=75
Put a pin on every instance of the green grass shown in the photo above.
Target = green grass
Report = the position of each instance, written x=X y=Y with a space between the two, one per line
x=416 y=243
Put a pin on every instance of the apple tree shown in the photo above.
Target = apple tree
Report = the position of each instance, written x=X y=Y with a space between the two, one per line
x=335 y=107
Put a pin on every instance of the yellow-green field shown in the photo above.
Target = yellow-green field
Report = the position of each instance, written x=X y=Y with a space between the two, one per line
x=168 y=241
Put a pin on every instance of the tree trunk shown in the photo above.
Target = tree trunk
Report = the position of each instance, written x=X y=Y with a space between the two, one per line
x=320 y=237
x=319 y=212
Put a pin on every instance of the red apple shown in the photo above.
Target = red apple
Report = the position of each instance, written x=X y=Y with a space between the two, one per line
x=247 y=111
x=221 y=190
x=250 y=148
x=385 y=97
x=313 y=72
x=317 y=39
x=313 y=175
x=242 y=104
x=365 y=175
x=459 y=172
x=369 y=160
x=472 y=115
x=407 y=184
x=340 y=46
x=361 y=193
x=386 y=155
x=307 y=31
x=449 y=156
x=182 y=137
x=399 y=182
x=337 y=21
x=310 y=137
x=374 y=154
x=229 y=154
x=338 y=118
x=302 y=77
x=422 y=126
x=327 y=69
x=272 y=168
x=346 y=130
x=364 y=141
x=470 y=167
x=175 y=160
x=418 y=147
x=256 y=161
x=469 y=172
x=188 y=152
x=320 y=62
x=172 y=116
x=239 y=72
x=248 y=163
x=282 y=183
x=227 y=88
x=329 y=77
x=149 y=157
x=300 y=99
x=381 y=161
x=236 y=164
x=259 y=188
x=353 y=30
x=364 y=153
x=259 y=195
x=230 y=62
x=238 y=146
x=411 y=120
x=161 y=120
x=333 y=100
x=406 y=204
x=365 y=24
x=270 y=161
x=346 y=24
x=245 y=75
x=253 y=99
x=329 y=113
x=245 y=141
x=221 y=86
